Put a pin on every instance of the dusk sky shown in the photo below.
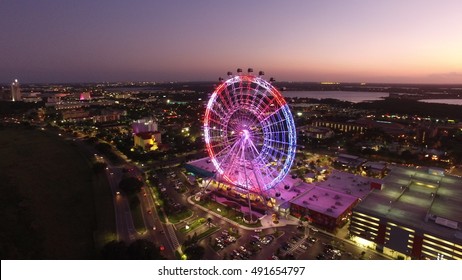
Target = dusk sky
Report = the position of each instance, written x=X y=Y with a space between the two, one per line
x=143 y=40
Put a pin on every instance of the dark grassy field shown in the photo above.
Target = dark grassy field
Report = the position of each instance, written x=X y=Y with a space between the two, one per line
x=48 y=198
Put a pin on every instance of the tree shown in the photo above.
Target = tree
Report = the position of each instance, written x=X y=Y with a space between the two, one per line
x=406 y=155
x=114 y=250
x=103 y=148
x=142 y=249
x=194 y=252
x=130 y=185
x=139 y=249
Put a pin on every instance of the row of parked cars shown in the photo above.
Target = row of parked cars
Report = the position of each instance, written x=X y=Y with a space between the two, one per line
x=241 y=253
x=329 y=253
x=224 y=240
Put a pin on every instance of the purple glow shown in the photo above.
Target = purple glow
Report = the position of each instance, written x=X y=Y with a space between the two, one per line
x=141 y=40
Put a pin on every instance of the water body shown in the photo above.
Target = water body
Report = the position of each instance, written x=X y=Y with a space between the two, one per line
x=357 y=96
x=443 y=101
x=350 y=96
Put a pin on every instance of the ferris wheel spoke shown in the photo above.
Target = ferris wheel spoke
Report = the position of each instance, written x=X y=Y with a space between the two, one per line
x=271 y=114
x=218 y=122
x=214 y=132
x=264 y=97
x=217 y=114
x=226 y=99
x=228 y=154
x=270 y=152
x=263 y=164
x=272 y=124
x=218 y=145
x=257 y=91
x=259 y=177
x=269 y=172
x=272 y=134
x=233 y=138
x=225 y=151
x=253 y=148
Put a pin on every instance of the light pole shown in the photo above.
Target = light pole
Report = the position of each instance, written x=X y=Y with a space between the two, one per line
x=307 y=228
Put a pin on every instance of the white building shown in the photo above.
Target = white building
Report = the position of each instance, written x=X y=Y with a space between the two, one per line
x=16 y=91
x=144 y=125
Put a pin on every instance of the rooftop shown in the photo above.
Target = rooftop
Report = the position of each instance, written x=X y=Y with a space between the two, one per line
x=348 y=183
x=326 y=201
x=414 y=198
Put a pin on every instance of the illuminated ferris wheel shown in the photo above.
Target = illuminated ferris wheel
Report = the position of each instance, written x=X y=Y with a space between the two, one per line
x=249 y=133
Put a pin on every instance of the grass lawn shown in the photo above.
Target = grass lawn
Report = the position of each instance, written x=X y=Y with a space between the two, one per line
x=193 y=225
x=138 y=221
x=227 y=212
x=53 y=205
x=176 y=218
x=208 y=232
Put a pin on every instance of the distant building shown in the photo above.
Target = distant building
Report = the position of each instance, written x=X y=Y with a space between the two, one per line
x=376 y=169
x=144 y=125
x=85 y=96
x=316 y=132
x=391 y=128
x=148 y=141
x=350 y=162
x=342 y=126
x=53 y=99
x=426 y=133
x=417 y=214
x=107 y=116
x=16 y=91
x=76 y=115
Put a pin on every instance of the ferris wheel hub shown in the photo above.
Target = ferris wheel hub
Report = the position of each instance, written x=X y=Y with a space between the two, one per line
x=245 y=134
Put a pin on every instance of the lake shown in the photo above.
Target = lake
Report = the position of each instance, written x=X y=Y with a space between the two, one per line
x=350 y=96
x=443 y=101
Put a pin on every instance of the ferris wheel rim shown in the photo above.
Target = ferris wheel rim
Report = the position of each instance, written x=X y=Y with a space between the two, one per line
x=269 y=127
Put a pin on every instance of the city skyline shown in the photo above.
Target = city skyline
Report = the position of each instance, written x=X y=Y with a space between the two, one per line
x=389 y=42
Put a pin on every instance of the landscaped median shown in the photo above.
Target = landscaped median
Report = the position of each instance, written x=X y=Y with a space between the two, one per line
x=199 y=228
x=192 y=226
x=200 y=233
x=178 y=217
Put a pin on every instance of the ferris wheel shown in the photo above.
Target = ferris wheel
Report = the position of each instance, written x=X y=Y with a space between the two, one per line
x=249 y=133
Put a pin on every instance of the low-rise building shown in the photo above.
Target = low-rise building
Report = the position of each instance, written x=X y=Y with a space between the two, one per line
x=323 y=207
x=148 y=140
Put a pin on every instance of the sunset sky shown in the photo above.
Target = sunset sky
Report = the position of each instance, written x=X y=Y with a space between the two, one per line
x=415 y=41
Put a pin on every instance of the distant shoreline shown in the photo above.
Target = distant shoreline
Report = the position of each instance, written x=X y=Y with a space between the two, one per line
x=363 y=96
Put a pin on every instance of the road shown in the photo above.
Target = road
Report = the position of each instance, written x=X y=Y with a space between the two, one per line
x=125 y=228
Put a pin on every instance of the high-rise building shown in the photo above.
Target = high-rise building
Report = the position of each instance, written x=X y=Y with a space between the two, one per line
x=15 y=91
